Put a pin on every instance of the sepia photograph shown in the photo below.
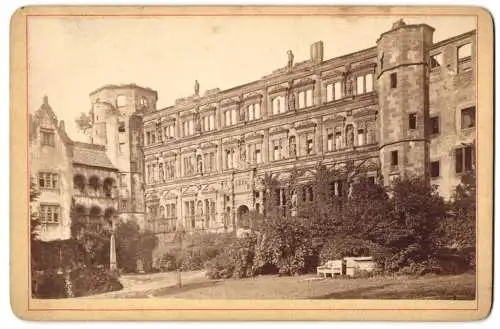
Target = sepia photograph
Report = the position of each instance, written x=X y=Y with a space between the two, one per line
x=205 y=157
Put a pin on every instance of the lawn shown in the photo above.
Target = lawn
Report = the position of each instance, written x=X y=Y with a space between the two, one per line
x=460 y=287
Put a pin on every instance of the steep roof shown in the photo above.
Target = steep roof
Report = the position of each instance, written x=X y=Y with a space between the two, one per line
x=91 y=155
x=35 y=119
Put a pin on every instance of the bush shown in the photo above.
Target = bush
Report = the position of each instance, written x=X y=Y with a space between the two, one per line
x=242 y=252
x=345 y=247
x=48 y=284
x=286 y=243
x=221 y=267
x=94 y=280
x=237 y=260
x=133 y=245
x=196 y=251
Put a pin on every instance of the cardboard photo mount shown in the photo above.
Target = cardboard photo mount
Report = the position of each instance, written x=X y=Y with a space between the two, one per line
x=175 y=309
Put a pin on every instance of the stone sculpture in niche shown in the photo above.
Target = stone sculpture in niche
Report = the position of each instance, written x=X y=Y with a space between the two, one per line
x=197 y=122
x=349 y=136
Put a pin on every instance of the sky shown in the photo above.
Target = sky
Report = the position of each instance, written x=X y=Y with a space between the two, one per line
x=69 y=57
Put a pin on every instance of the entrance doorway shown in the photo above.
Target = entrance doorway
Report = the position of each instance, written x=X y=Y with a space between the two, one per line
x=243 y=217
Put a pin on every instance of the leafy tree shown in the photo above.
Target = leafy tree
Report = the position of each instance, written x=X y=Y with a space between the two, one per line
x=34 y=220
x=34 y=227
x=92 y=239
x=462 y=224
x=459 y=229
x=133 y=245
x=84 y=122
x=412 y=226
x=127 y=241
x=147 y=242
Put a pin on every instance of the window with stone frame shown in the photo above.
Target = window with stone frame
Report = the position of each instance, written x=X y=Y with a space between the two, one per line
x=434 y=169
x=47 y=137
x=434 y=125
x=123 y=179
x=234 y=119
x=189 y=165
x=170 y=168
x=361 y=137
x=412 y=121
x=121 y=147
x=121 y=100
x=468 y=117
x=394 y=80
x=154 y=172
x=255 y=152
x=329 y=140
x=306 y=98
x=337 y=90
x=464 y=55
x=436 y=60
x=394 y=159
x=360 y=85
x=329 y=92
x=209 y=122
x=188 y=127
x=48 y=180
x=121 y=127
x=278 y=105
x=230 y=117
x=338 y=140
x=49 y=214
x=253 y=111
x=278 y=149
x=464 y=52
x=209 y=161
x=464 y=159
x=310 y=144
x=169 y=131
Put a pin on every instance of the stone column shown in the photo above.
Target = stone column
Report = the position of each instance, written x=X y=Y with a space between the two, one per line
x=112 y=246
x=178 y=164
x=318 y=99
x=264 y=107
x=265 y=146
x=324 y=132
x=219 y=156
x=319 y=136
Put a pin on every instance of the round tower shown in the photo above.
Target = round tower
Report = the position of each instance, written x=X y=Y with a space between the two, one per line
x=117 y=112
x=100 y=112
x=403 y=89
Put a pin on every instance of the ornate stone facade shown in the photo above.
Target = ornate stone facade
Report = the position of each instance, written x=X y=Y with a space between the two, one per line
x=403 y=107
x=333 y=111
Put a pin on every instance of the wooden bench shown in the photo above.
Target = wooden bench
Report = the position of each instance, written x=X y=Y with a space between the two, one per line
x=331 y=267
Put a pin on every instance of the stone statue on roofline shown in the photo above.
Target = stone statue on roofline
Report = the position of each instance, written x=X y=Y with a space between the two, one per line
x=290 y=59
x=196 y=87
x=398 y=24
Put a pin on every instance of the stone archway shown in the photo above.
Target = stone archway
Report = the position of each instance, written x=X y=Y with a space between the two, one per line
x=243 y=215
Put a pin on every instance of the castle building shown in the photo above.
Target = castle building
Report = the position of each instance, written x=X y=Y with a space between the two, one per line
x=403 y=107
x=69 y=174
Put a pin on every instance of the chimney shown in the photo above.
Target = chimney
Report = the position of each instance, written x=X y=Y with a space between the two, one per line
x=61 y=126
x=317 y=52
